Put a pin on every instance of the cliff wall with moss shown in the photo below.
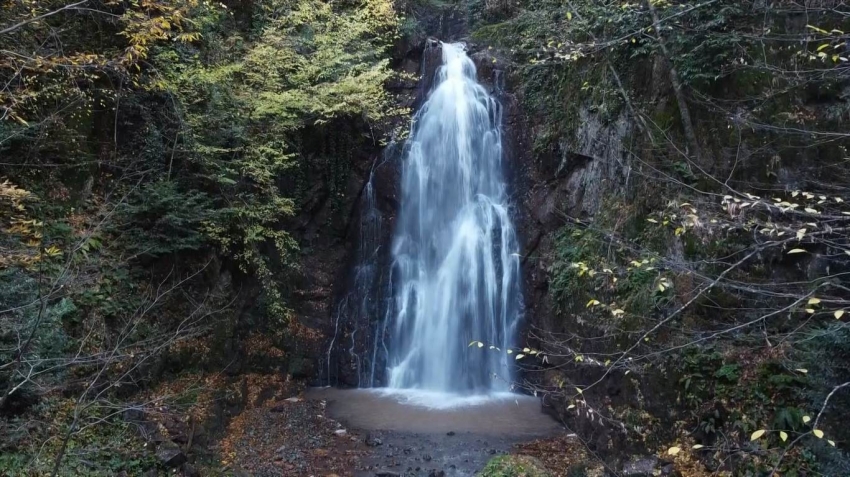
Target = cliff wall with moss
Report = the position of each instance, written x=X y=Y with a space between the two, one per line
x=681 y=189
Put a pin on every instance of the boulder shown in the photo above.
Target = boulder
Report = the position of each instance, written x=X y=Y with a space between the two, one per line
x=170 y=455
x=372 y=440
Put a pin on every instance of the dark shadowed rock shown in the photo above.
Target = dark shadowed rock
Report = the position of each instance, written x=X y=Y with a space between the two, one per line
x=170 y=455
x=372 y=440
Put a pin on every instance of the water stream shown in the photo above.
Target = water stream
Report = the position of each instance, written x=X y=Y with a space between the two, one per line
x=455 y=252
x=451 y=274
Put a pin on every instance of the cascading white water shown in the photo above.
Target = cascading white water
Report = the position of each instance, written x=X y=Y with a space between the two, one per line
x=455 y=252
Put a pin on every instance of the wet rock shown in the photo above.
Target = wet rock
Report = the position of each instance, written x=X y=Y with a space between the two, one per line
x=387 y=473
x=427 y=458
x=640 y=467
x=450 y=433
x=373 y=441
x=170 y=455
x=437 y=473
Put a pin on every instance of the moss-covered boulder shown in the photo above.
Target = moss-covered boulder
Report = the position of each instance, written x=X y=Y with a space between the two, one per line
x=514 y=466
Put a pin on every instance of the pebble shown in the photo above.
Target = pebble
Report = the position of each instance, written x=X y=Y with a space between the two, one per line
x=340 y=432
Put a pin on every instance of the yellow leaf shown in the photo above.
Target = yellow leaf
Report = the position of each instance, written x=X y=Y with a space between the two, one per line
x=783 y=435
x=652 y=220
x=796 y=250
x=818 y=433
x=579 y=390
x=838 y=314
x=571 y=406
x=569 y=15
x=519 y=356
x=698 y=446
x=802 y=370
x=806 y=419
x=480 y=344
x=810 y=310
x=673 y=450
x=814 y=301
x=757 y=434
x=832 y=443
x=823 y=47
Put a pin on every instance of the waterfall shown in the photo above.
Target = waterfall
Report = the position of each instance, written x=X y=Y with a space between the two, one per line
x=454 y=251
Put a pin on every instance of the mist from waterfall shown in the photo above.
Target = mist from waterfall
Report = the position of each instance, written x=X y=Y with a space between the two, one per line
x=454 y=252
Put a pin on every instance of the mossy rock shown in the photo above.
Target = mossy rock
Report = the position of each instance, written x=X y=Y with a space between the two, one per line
x=514 y=466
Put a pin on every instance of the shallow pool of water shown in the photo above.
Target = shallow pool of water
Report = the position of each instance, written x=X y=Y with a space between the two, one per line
x=413 y=411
